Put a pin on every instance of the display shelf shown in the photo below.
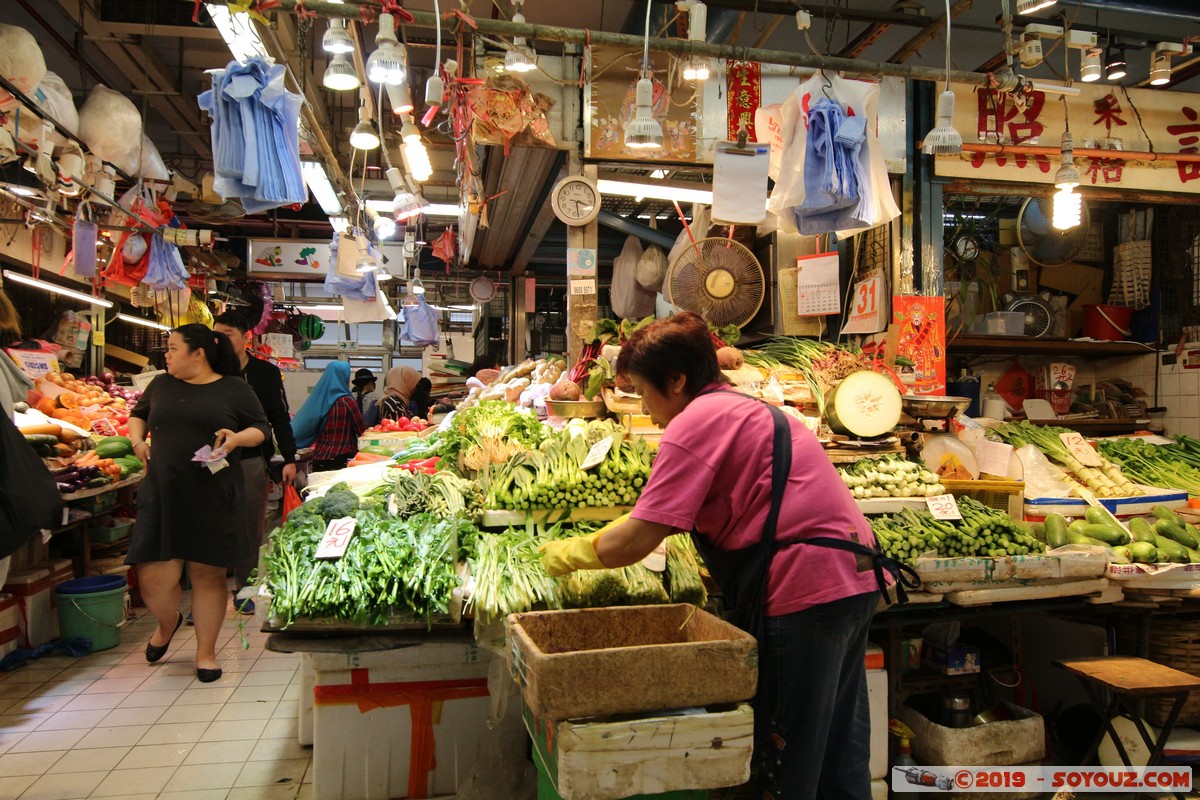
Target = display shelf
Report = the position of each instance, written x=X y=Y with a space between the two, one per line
x=109 y=487
x=889 y=505
x=1097 y=427
x=1028 y=345
x=502 y=518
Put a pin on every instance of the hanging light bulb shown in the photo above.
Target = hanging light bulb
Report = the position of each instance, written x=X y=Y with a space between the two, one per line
x=644 y=132
x=1068 y=206
x=520 y=57
x=414 y=153
x=944 y=139
x=387 y=64
x=695 y=69
x=340 y=75
x=415 y=285
x=337 y=38
x=1160 y=68
x=1114 y=61
x=385 y=227
x=366 y=262
x=364 y=137
x=401 y=98
x=1089 y=65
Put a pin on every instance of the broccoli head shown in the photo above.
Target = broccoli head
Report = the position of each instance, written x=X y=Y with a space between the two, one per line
x=338 y=502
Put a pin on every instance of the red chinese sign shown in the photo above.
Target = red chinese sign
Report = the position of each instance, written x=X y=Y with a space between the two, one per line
x=1003 y=119
x=922 y=323
x=744 y=84
x=1187 y=143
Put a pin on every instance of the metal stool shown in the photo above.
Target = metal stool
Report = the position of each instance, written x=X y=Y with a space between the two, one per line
x=1131 y=679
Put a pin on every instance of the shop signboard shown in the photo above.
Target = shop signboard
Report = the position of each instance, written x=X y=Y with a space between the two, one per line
x=288 y=258
x=1100 y=119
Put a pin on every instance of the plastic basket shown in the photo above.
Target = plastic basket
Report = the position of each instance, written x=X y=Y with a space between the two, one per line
x=1006 y=496
x=109 y=530
x=1059 y=399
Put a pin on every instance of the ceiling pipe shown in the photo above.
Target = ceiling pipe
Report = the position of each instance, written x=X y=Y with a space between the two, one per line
x=1112 y=155
x=1181 y=9
x=349 y=9
x=637 y=229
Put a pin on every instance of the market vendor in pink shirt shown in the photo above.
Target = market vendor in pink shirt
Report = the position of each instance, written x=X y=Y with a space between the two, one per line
x=780 y=533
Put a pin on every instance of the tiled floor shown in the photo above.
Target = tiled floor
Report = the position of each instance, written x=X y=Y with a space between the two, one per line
x=111 y=725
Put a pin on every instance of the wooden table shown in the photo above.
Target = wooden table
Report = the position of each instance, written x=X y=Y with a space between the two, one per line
x=1124 y=677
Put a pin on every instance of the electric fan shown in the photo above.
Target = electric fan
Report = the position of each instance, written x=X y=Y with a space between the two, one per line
x=1041 y=241
x=1039 y=316
x=719 y=279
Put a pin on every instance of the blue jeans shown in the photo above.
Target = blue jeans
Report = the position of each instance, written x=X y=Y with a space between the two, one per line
x=812 y=717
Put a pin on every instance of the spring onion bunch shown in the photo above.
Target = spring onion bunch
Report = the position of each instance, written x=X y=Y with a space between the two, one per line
x=823 y=364
x=508 y=572
x=890 y=476
x=1107 y=480
x=983 y=531
x=683 y=571
x=552 y=476
x=441 y=493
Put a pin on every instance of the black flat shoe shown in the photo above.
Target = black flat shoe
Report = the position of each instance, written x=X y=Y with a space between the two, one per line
x=156 y=651
x=207 y=675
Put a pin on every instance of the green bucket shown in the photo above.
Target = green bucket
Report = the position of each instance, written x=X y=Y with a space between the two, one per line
x=92 y=608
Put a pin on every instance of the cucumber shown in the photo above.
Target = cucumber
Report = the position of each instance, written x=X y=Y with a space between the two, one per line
x=1141 y=531
x=1096 y=516
x=36 y=439
x=1105 y=533
x=111 y=449
x=1175 y=532
x=1122 y=554
x=1162 y=512
x=1079 y=538
x=1193 y=555
x=1143 y=553
x=1170 y=550
x=1077 y=526
x=1056 y=531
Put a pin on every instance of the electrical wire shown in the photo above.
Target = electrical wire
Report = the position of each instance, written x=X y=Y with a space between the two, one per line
x=646 y=40
x=947 y=45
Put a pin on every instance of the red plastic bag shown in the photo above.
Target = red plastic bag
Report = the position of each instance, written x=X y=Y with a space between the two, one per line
x=291 y=500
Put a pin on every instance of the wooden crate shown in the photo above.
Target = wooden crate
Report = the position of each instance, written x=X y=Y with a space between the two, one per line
x=599 y=661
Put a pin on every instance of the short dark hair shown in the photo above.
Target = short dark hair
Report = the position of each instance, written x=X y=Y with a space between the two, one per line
x=485 y=361
x=216 y=346
x=234 y=319
x=677 y=345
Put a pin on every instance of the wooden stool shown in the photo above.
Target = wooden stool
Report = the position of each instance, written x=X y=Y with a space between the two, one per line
x=1132 y=678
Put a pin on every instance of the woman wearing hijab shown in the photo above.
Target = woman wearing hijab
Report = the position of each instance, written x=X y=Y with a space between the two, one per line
x=329 y=420
x=398 y=388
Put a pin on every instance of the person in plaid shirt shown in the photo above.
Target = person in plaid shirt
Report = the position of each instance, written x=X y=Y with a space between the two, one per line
x=330 y=420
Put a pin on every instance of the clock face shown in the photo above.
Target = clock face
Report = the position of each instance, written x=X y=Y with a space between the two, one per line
x=576 y=200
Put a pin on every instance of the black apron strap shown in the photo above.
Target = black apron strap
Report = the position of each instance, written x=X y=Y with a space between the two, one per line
x=904 y=575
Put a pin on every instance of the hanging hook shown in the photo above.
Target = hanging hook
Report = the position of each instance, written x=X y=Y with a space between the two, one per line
x=827 y=84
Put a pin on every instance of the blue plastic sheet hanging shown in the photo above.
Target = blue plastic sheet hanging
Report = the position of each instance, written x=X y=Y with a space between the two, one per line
x=361 y=288
x=255 y=132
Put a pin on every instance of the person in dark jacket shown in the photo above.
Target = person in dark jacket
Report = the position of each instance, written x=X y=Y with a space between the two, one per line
x=267 y=382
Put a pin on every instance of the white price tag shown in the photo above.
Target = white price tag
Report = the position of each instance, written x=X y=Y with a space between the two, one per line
x=1082 y=451
x=994 y=457
x=337 y=537
x=583 y=287
x=597 y=453
x=656 y=561
x=943 y=506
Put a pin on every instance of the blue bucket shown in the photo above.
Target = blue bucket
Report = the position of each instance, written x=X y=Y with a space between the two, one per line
x=92 y=583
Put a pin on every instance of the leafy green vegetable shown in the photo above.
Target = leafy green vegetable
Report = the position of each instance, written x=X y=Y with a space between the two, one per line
x=489 y=433
x=600 y=373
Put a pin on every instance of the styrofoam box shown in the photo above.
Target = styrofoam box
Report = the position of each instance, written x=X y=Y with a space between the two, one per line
x=877 y=696
x=10 y=624
x=34 y=593
x=1004 y=743
x=363 y=726
x=879 y=789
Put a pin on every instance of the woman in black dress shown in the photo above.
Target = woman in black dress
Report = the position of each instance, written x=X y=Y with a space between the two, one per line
x=187 y=512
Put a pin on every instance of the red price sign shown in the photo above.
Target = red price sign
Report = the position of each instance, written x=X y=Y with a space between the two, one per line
x=337 y=537
x=943 y=506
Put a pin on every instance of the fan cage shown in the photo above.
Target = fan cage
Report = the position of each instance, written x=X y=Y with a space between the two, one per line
x=688 y=277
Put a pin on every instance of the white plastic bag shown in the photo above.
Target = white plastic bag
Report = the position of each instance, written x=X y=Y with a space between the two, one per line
x=150 y=164
x=21 y=63
x=629 y=300
x=1043 y=479
x=112 y=128
x=651 y=268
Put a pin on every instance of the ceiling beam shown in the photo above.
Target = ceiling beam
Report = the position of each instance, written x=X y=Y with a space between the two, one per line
x=869 y=35
x=142 y=68
x=931 y=31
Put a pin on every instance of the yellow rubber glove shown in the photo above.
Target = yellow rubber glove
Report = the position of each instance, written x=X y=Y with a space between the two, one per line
x=567 y=555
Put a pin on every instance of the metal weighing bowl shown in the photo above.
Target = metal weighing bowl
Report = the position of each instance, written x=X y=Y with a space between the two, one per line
x=576 y=409
x=920 y=406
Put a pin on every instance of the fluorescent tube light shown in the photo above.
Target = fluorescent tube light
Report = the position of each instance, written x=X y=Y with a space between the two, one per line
x=657 y=191
x=321 y=187
x=54 y=288
x=432 y=210
x=340 y=224
x=149 y=323
x=238 y=32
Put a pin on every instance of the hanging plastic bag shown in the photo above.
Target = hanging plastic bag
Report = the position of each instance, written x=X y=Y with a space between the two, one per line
x=629 y=300
x=421 y=324
x=291 y=500
x=651 y=269
x=347 y=255
x=356 y=286
x=111 y=127
x=21 y=63
x=83 y=243
x=165 y=269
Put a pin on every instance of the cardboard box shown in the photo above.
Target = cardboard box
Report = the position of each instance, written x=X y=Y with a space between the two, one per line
x=877 y=697
x=411 y=722
x=1006 y=743
x=658 y=755
x=10 y=624
x=34 y=592
x=600 y=661
x=1082 y=283
x=956 y=660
